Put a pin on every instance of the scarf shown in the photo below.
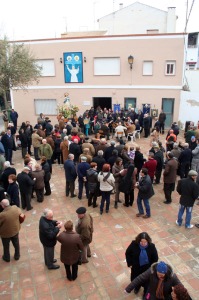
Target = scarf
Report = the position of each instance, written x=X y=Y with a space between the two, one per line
x=143 y=258
x=159 y=291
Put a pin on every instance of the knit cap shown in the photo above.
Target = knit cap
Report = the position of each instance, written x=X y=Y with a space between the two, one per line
x=161 y=267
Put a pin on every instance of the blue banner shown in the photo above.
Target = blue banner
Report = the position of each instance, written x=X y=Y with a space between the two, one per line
x=116 y=107
x=73 y=67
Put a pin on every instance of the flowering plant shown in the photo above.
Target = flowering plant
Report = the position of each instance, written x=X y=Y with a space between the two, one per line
x=66 y=109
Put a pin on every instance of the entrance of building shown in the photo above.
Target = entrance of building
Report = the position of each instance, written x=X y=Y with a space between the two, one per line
x=102 y=102
x=167 y=107
x=129 y=103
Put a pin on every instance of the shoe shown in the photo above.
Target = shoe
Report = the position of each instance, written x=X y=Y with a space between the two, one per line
x=115 y=206
x=30 y=208
x=74 y=278
x=139 y=215
x=197 y=225
x=67 y=195
x=189 y=227
x=73 y=196
x=47 y=194
x=54 y=260
x=146 y=217
x=16 y=257
x=80 y=198
x=89 y=255
x=54 y=267
x=12 y=164
x=96 y=205
x=178 y=223
x=107 y=211
x=125 y=204
x=119 y=201
x=167 y=202
x=69 y=278
x=5 y=259
x=101 y=212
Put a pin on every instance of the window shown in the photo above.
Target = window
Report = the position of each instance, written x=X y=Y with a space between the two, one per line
x=147 y=68
x=170 y=68
x=107 y=66
x=48 y=67
x=190 y=66
x=46 y=106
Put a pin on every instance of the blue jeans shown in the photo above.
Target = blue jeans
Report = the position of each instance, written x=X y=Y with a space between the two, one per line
x=146 y=204
x=105 y=197
x=188 y=215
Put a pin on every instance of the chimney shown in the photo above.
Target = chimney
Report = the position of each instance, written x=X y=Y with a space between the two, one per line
x=171 y=20
x=120 y=5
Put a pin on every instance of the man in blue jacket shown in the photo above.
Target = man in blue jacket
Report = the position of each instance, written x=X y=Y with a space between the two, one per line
x=81 y=172
x=71 y=175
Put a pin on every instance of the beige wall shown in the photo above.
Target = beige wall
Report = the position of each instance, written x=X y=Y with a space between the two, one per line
x=147 y=89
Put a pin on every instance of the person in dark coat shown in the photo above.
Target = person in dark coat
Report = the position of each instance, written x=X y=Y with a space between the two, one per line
x=109 y=150
x=138 y=160
x=48 y=127
x=29 y=132
x=146 y=125
x=75 y=149
x=159 y=279
x=57 y=150
x=71 y=175
x=82 y=168
x=185 y=161
x=47 y=175
x=13 y=190
x=116 y=171
x=24 y=142
x=162 y=119
x=38 y=174
x=93 y=186
x=169 y=176
x=140 y=255
x=158 y=156
x=9 y=145
x=99 y=160
x=145 y=192
x=112 y=159
x=25 y=187
x=189 y=191
x=128 y=182
x=48 y=230
x=8 y=170
x=14 y=117
x=71 y=245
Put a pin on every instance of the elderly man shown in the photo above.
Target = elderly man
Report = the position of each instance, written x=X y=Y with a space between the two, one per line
x=169 y=176
x=9 y=229
x=25 y=186
x=120 y=129
x=48 y=230
x=9 y=145
x=71 y=175
x=82 y=168
x=36 y=142
x=85 y=230
x=46 y=150
x=75 y=149
x=8 y=170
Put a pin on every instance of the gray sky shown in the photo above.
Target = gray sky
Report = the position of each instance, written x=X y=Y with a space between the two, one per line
x=24 y=19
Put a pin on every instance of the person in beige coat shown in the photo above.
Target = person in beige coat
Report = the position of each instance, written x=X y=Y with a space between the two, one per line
x=36 y=142
x=65 y=148
x=9 y=229
x=88 y=145
x=71 y=245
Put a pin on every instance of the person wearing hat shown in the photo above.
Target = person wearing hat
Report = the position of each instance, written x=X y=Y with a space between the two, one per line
x=189 y=191
x=25 y=187
x=158 y=281
x=84 y=228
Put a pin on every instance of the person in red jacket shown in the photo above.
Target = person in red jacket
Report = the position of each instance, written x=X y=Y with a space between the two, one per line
x=151 y=165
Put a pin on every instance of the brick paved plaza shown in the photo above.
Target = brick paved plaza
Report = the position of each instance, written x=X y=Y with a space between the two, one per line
x=106 y=275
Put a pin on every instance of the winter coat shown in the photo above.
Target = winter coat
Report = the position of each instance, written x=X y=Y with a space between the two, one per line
x=82 y=170
x=185 y=156
x=4 y=176
x=116 y=172
x=13 y=192
x=100 y=161
x=195 y=154
x=90 y=147
x=162 y=117
x=145 y=188
x=64 y=148
x=75 y=149
x=70 y=171
x=71 y=244
x=188 y=190
x=150 y=277
x=47 y=175
x=170 y=171
x=158 y=156
x=85 y=229
x=92 y=178
x=45 y=150
x=57 y=145
x=150 y=165
x=23 y=139
x=9 y=221
x=36 y=140
x=39 y=182
x=107 y=185
x=48 y=232
x=138 y=160
x=25 y=183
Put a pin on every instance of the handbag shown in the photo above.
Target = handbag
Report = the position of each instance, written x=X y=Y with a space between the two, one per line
x=21 y=218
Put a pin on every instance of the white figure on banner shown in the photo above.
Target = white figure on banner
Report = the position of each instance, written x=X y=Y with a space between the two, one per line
x=73 y=72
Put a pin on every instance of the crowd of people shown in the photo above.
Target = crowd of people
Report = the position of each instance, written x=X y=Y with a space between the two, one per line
x=94 y=149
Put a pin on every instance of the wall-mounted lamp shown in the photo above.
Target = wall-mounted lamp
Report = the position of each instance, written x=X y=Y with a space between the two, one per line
x=130 y=61
x=85 y=59
x=61 y=61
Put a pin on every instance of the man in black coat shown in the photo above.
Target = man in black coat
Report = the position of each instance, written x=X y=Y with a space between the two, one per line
x=146 y=125
x=25 y=186
x=8 y=170
x=75 y=149
x=9 y=145
x=162 y=119
x=145 y=192
x=71 y=175
x=158 y=156
x=138 y=160
x=48 y=230
x=109 y=150
x=99 y=160
x=185 y=161
x=189 y=191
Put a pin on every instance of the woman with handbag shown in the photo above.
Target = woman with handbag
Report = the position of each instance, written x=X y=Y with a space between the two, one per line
x=71 y=245
x=107 y=184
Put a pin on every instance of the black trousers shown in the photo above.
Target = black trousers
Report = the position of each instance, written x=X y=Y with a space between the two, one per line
x=92 y=199
x=71 y=275
x=6 y=247
x=48 y=256
x=47 y=188
x=40 y=194
x=158 y=175
x=129 y=198
x=184 y=169
x=161 y=128
x=70 y=187
x=25 y=200
x=168 y=189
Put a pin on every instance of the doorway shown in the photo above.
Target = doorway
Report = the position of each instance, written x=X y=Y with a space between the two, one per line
x=129 y=103
x=167 y=107
x=102 y=102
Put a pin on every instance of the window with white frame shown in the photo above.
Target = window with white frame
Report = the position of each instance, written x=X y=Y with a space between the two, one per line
x=107 y=66
x=170 y=67
x=147 y=68
x=48 y=67
x=45 y=106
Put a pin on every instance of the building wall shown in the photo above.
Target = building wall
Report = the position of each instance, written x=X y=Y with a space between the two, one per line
x=130 y=83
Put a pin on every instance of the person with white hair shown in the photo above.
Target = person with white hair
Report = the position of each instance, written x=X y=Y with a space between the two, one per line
x=46 y=150
x=64 y=146
x=71 y=175
x=9 y=229
x=9 y=145
x=48 y=230
x=25 y=187
x=8 y=170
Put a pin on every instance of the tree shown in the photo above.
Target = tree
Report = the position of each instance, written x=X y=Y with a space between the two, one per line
x=18 y=67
